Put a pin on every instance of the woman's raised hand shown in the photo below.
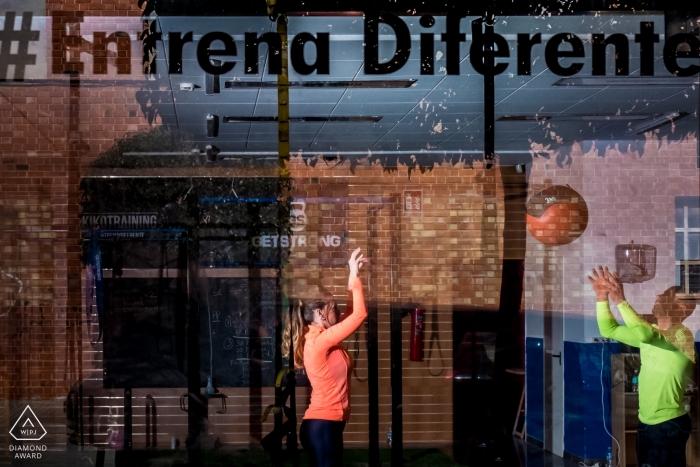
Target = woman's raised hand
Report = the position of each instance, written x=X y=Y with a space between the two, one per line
x=355 y=263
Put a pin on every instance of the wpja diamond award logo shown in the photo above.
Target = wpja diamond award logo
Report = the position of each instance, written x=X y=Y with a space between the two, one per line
x=28 y=428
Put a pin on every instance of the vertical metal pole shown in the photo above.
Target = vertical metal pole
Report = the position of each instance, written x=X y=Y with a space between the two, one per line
x=292 y=444
x=196 y=403
x=396 y=388
x=373 y=382
x=510 y=334
x=283 y=198
x=278 y=459
x=279 y=402
x=489 y=96
x=128 y=412
x=91 y=419
x=373 y=344
x=76 y=148
x=395 y=335
x=148 y=424
x=80 y=413
x=283 y=102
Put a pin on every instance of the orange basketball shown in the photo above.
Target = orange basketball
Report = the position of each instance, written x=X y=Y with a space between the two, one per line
x=557 y=215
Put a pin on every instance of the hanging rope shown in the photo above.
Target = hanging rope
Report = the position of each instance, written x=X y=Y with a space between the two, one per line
x=434 y=341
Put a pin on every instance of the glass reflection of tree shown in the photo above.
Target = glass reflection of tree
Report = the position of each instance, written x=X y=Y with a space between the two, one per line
x=553 y=139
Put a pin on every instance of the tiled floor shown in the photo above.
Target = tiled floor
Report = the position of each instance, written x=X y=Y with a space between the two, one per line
x=530 y=455
x=515 y=452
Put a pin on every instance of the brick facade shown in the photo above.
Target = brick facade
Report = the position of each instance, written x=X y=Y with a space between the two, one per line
x=449 y=253
x=629 y=198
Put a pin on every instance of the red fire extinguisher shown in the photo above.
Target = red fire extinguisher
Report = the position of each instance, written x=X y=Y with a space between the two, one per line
x=417 y=327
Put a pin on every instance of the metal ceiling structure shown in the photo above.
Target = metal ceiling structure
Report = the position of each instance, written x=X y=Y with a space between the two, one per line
x=437 y=113
x=413 y=7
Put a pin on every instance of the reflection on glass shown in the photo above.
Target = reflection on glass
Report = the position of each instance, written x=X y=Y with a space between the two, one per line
x=679 y=246
x=690 y=277
x=679 y=216
x=221 y=253
x=693 y=245
x=475 y=356
x=693 y=216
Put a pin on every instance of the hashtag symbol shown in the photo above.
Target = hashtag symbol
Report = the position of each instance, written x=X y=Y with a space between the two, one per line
x=22 y=37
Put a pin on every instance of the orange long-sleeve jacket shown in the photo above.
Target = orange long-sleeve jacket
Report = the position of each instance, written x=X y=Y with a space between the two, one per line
x=328 y=365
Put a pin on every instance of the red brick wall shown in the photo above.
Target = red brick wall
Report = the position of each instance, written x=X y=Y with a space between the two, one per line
x=103 y=8
x=41 y=171
x=48 y=134
x=449 y=254
x=43 y=344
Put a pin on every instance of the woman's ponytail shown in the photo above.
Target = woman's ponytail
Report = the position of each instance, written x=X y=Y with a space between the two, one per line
x=294 y=335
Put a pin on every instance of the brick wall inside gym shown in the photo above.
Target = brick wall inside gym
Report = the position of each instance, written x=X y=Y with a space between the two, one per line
x=449 y=255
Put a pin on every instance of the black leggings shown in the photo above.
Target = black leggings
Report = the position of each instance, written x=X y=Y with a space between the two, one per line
x=323 y=441
x=663 y=445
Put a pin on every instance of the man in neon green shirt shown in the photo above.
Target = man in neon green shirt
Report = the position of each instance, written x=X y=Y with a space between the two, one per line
x=667 y=353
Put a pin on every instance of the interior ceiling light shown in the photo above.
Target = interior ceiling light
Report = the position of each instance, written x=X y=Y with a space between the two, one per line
x=627 y=81
x=574 y=118
x=656 y=122
x=372 y=119
x=524 y=118
x=647 y=122
x=369 y=84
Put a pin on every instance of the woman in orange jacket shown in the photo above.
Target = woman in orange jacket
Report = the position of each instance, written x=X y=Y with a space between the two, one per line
x=317 y=330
